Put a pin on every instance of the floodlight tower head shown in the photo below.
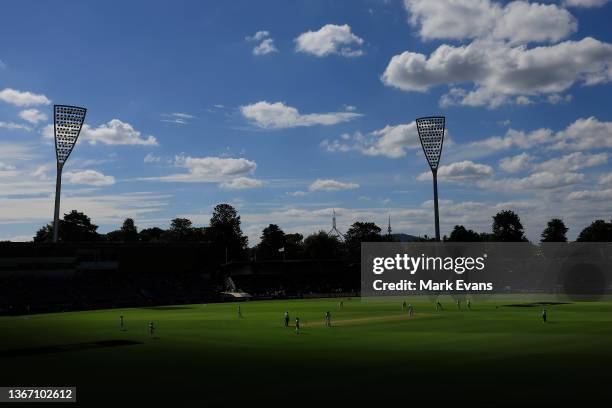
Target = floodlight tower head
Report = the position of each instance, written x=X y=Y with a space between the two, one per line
x=67 y=124
x=431 y=135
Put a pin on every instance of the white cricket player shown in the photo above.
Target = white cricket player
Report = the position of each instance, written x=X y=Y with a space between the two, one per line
x=151 y=329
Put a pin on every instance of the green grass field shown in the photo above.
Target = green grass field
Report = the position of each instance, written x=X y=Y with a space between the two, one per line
x=492 y=355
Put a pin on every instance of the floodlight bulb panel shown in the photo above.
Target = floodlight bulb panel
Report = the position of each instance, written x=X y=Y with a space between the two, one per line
x=431 y=135
x=67 y=123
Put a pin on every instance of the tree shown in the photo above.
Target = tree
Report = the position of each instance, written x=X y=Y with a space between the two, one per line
x=321 y=245
x=461 y=234
x=181 y=226
x=272 y=239
x=598 y=231
x=150 y=234
x=361 y=232
x=294 y=246
x=114 y=236
x=74 y=227
x=78 y=227
x=555 y=231
x=486 y=237
x=127 y=232
x=225 y=233
x=507 y=227
x=44 y=234
x=181 y=229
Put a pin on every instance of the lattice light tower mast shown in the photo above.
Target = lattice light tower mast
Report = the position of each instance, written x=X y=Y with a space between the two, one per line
x=67 y=124
x=334 y=231
x=431 y=134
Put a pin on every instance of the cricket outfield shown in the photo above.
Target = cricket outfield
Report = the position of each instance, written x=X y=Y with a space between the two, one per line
x=498 y=353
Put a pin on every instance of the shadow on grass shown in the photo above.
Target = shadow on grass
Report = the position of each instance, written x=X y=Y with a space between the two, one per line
x=537 y=304
x=34 y=351
x=167 y=307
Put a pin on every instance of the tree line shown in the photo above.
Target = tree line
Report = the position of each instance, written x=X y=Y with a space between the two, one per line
x=225 y=235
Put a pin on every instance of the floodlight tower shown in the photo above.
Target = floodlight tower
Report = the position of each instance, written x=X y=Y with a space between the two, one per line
x=67 y=124
x=431 y=135
x=334 y=231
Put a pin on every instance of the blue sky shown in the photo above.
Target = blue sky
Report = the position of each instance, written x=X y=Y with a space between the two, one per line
x=290 y=109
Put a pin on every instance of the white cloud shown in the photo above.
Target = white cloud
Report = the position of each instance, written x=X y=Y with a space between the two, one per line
x=517 y=21
x=19 y=98
x=582 y=134
x=461 y=171
x=182 y=115
x=556 y=99
x=4 y=166
x=589 y=133
x=605 y=178
x=451 y=19
x=16 y=238
x=522 y=22
x=208 y=169
x=89 y=177
x=114 y=132
x=33 y=115
x=149 y=158
x=331 y=185
x=241 y=183
x=523 y=100
x=265 y=47
x=7 y=171
x=584 y=3
x=515 y=138
x=516 y=163
x=572 y=162
x=13 y=126
x=537 y=181
x=103 y=209
x=498 y=71
x=15 y=187
x=14 y=152
x=278 y=116
x=297 y=193
x=590 y=195
x=266 y=43
x=180 y=118
x=330 y=39
x=258 y=36
x=41 y=172
x=391 y=141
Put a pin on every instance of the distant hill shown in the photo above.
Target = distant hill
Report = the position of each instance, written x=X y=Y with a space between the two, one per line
x=404 y=237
